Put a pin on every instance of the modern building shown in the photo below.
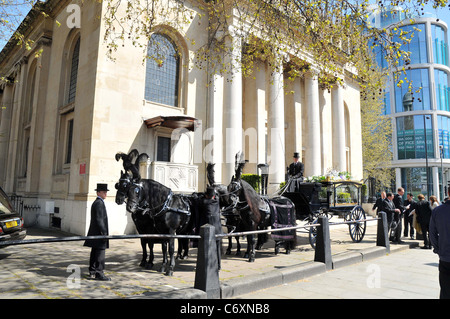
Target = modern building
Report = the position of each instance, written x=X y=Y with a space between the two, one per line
x=420 y=116
x=67 y=111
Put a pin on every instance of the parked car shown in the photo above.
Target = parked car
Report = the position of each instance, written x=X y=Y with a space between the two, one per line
x=11 y=223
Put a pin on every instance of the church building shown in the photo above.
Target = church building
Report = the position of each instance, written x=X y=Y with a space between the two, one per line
x=67 y=109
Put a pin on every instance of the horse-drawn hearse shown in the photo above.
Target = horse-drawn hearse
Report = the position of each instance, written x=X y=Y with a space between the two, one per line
x=155 y=209
x=329 y=198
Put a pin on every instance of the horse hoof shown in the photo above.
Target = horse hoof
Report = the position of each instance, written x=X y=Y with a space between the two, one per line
x=169 y=273
x=143 y=264
x=228 y=252
x=277 y=250
x=162 y=269
x=288 y=252
x=149 y=266
x=251 y=259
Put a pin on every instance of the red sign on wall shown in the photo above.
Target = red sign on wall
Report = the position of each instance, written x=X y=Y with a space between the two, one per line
x=83 y=169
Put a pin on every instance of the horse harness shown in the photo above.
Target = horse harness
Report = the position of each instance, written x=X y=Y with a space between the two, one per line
x=144 y=206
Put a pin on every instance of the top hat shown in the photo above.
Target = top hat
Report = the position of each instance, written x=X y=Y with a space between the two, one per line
x=209 y=191
x=102 y=187
x=296 y=155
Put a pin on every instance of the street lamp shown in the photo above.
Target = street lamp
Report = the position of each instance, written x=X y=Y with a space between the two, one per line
x=441 y=154
x=426 y=150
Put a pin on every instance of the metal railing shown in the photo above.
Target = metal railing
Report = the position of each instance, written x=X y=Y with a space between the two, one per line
x=207 y=275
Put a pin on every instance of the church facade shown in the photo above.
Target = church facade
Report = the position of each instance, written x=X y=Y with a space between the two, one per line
x=67 y=110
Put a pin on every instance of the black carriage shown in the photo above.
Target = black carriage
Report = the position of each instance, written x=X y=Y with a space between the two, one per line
x=328 y=198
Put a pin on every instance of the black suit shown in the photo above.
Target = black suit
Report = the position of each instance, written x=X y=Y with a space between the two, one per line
x=389 y=208
x=423 y=215
x=97 y=227
x=296 y=170
x=408 y=219
x=398 y=203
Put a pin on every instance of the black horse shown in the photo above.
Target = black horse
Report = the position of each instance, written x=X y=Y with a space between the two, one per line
x=144 y=224
x=171 y=213
x=257 y=213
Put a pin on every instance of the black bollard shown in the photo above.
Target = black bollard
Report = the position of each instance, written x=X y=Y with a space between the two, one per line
x=383 y=232
x=323 y=243
x=207 y=272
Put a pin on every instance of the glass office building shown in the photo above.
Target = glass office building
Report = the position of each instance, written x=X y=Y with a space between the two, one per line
x=420 y=116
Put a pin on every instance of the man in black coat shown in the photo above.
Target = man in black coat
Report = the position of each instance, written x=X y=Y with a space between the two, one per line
x=398 y=203
x=98 y=227
x=296 y=169
x=423 y=215
x=389 y=208
x=295 y=174
x=407 y=217
x=379 y=203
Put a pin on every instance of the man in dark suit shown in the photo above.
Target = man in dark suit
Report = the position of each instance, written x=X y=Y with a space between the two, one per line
x=407 y=217
x=98 y=227
x=297 y=168
x=389 y=208
x=398 y=203
x=423 y=215
x=295 y=174
x=379 y=203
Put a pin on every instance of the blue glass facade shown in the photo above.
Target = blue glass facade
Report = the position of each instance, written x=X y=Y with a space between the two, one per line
x=411 y=137
x=439 y=43
x=418 y=100
x=416 y=44
x=419 y=95
x=442 y=90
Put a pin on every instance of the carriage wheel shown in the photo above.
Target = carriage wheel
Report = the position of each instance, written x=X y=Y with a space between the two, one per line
x=358 y=229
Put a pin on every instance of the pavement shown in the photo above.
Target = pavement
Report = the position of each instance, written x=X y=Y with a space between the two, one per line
x=57 y=271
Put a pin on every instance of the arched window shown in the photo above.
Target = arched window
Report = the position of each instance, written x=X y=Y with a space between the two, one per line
x=74 y=72
x=162 y=71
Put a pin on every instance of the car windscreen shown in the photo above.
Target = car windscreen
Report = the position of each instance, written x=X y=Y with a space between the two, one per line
x=5 y=204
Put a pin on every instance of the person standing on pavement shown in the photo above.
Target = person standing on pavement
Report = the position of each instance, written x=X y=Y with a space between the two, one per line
x=423 y=215
x=398 y=203
x=390 y=210
x=379 y=203
x=440 y=240
x=433 y=202
x=408 y=217
x=98 y=227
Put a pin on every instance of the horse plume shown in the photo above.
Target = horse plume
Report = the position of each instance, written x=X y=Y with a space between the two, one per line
x=131 y=162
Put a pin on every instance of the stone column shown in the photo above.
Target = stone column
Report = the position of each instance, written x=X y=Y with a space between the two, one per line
x=5 y=126
x=338 y=120
x=312 y=154
x=232 y=109
x=275 y=128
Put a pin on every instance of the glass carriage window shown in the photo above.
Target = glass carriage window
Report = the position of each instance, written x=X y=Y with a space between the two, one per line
x=163 y=63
